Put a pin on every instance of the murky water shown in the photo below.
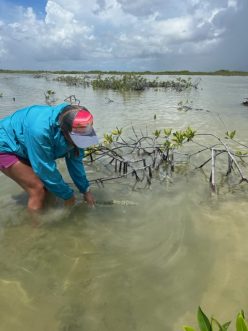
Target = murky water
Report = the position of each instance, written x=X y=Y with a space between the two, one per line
x=146 y=266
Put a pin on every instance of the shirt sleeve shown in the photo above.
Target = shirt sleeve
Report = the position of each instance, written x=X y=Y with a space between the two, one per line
x=76 y=170
x=41 y=157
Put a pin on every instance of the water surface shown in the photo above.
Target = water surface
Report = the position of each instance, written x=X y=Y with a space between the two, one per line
x=140 y=267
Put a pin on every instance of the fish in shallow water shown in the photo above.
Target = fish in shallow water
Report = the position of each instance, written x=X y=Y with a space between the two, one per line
x=117 y=202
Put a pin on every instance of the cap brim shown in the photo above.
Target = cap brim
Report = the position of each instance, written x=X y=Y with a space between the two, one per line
x=84 y=141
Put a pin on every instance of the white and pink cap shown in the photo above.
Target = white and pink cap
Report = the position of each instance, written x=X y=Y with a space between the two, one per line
x=83 y=135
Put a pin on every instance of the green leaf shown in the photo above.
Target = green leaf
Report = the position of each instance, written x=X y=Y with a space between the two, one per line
x=188 y=328
x=189 y=133
x=157 y=133
x=241 y=324
x=167 y=132
x=178 y=137
x=225 y=326
x=108 y=138
x=117 y=132
x=230 y=134
x=167 y=144
x=241 y=153
x=203 y=321
x=217 y=323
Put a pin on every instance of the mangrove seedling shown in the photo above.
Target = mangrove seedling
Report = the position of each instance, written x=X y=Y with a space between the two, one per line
x=50 y=97
x=157 y=133
x=142 y=154
x=178 y=137
x=189 y=133
x=212 y=324
x=117 y=132
x=184 y=105
x=108 y=138
x=167 y=132
x=230 y=134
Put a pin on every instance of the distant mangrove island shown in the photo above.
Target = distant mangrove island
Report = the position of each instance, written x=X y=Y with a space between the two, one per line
x=221 y=72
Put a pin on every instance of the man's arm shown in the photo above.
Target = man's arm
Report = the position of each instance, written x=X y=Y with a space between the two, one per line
x=77 y=172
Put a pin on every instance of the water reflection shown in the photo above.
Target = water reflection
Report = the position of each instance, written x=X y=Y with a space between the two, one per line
x=143 y=266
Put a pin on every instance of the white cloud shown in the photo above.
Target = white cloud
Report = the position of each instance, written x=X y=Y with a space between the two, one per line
x=233 y=3
x=85 y=34
x=57 y=15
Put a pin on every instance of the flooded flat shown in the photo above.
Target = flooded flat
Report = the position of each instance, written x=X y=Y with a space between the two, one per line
x=142 y=259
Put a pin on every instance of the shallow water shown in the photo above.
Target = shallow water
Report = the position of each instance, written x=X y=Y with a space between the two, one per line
x=146 y=266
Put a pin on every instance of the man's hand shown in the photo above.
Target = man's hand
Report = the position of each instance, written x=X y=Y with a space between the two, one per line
x=89 y=198
x=70 y=202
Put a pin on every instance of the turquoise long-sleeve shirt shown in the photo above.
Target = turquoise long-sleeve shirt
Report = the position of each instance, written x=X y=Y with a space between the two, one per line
x=34 y=134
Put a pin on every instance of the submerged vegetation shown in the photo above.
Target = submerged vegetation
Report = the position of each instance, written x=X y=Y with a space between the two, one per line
x=206 y=324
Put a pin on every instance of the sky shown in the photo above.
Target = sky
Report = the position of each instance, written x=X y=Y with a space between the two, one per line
x=126 y=35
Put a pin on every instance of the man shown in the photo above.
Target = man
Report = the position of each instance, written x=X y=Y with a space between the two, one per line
x=32 y=138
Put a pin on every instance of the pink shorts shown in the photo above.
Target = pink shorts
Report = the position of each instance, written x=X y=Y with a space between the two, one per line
x=7 y=160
